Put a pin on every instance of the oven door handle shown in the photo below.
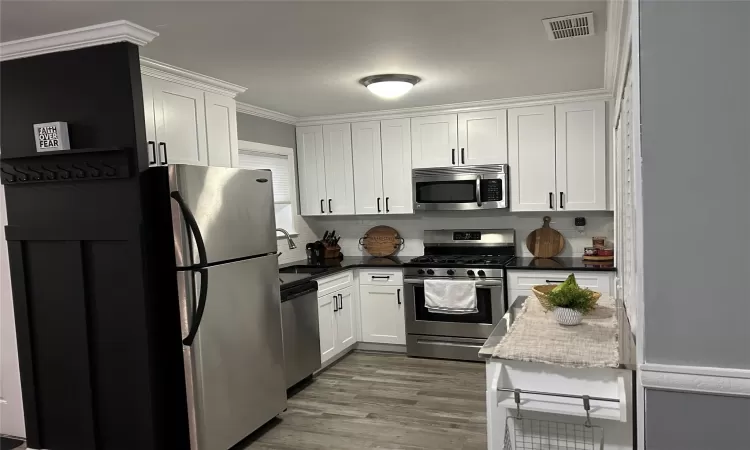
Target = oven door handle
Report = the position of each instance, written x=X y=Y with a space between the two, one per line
x=482 y=284
x=479 y=190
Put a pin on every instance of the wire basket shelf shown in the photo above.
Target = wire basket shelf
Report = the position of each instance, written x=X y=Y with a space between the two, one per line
x=533 y=434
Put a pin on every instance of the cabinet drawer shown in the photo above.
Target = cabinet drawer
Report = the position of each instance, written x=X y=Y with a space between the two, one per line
x=335 y=282
x=381 y=277
x=523 y=280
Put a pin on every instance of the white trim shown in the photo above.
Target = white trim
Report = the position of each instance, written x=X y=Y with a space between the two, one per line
x=613 y=42
x=265 y=148
x=246 y=108
x=711 y=380
x=100 y=34
x=482 y=105
x=377 y=347
x=186 y=77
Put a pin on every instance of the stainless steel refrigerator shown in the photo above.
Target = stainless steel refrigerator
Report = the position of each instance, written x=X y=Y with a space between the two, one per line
x=227 y=275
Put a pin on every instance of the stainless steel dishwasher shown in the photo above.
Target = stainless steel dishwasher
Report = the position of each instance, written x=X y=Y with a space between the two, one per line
x=299 y=327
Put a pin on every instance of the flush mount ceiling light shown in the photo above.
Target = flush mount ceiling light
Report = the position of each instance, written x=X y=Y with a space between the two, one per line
x=389 y=85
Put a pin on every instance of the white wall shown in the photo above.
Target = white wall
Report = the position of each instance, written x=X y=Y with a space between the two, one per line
x=11 y=407
x=412 y=227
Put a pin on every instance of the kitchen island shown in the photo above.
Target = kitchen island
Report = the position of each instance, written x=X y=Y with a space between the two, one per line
x=551 y=393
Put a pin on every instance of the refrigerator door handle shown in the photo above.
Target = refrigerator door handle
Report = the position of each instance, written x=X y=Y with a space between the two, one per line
x=194 y=229
x=202 y=296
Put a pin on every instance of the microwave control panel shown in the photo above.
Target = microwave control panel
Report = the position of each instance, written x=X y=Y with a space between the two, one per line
x=493 y=190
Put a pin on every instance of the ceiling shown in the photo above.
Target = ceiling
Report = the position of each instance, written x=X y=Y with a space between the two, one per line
x=305 y=58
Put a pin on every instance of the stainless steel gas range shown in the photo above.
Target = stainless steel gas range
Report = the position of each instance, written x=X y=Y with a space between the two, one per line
x=478 y=255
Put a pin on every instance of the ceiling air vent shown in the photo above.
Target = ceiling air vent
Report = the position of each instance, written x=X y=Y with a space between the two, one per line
x=566 y=27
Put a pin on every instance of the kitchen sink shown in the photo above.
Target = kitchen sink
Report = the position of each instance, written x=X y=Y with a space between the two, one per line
x=303 y=269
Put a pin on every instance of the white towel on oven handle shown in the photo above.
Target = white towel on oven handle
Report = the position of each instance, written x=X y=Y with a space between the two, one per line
x=450 y=296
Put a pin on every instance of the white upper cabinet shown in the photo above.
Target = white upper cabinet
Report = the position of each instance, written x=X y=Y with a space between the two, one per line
x=312 y=172
x=180 y=124
x=368 y=168
x=148 y=110
x=483 y=137
x=434 y=141
x=557 y=157
x=339 y=174
x=397 y=164
x=531 y=158
x=221 y=130
x=382 y=167
x=581 y=157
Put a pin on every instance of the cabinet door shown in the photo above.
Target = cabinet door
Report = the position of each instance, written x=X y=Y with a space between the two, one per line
x=396 y=151
x=382 y=314
x=346 y=319
x=581 y=156
x=483 y=137
x=180 y=124
x=327 y=326
x=148 y=112
x=434 y=141
x=221 y=131
x=339 y=174
x=311 y=170
x=368 y=168
x=531 y=158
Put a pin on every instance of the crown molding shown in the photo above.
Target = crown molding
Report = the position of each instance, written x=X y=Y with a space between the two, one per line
x=186 y=77
x=100 y=34
x=613 y=42
x=482 y=105
x=265 y=113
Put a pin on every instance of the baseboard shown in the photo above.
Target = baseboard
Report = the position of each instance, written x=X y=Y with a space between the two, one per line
x=387 y=348
x=710 y=380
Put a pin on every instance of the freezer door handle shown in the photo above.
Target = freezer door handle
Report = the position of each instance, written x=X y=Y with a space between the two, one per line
x=198 y=313
x=193 y=226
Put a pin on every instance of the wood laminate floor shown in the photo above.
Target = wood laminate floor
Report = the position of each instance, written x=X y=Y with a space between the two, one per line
x=383 y=401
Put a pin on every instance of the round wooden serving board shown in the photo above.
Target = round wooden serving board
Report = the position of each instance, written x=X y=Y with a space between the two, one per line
x=545 y=242
x=381 y=241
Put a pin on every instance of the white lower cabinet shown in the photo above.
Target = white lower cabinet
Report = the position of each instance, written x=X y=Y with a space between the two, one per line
x=520 y=282
x=338 y=312
x=382 y=313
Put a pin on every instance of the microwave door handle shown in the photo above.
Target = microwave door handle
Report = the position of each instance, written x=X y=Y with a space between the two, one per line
x=479 y=190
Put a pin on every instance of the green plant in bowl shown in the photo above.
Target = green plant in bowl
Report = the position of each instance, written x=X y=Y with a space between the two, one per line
x=570 y=295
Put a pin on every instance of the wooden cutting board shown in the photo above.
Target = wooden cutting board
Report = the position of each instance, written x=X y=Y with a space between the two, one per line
x=381 y=241
x=545 y=242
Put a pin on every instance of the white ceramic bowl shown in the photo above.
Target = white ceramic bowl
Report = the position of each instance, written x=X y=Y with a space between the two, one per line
x=567 y=316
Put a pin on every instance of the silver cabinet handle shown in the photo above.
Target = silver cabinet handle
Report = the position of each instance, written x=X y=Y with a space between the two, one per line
x=479 y=190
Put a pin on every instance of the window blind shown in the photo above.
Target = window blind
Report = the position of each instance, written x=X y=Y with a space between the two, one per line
x=279 y=165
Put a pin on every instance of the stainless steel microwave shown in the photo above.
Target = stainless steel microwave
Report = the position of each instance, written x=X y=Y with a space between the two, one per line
x=461 y=188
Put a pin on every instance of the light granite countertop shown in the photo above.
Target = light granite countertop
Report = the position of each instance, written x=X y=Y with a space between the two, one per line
x=626 y=339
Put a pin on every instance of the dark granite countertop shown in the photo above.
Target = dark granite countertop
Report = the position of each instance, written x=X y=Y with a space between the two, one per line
x=349 y=262
x=626 y=338
x=568 y=264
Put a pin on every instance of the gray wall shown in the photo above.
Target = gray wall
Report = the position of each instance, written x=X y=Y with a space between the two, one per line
x=695 y=94
x=265 y=131
x=681 y=421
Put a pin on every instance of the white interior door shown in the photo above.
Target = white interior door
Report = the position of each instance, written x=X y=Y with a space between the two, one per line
x=382 y=314
x=396 y=157
x=434 y=141
x=221 y=131
x=483 y=137
x=327 y=326
x=346 y=332
x=531 y=158
x=311 y=170
x=339 y=178
x=180 y=124
x=368 y=168
x=11 y=405
x=581 y=156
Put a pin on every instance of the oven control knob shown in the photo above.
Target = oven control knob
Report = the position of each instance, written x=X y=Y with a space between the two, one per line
x=480 y=273
x=470 y=273
x=451 y=272
x=420 y=272
x=430 y=272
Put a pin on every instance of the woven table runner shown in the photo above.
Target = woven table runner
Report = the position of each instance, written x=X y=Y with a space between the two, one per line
x=536 y=336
